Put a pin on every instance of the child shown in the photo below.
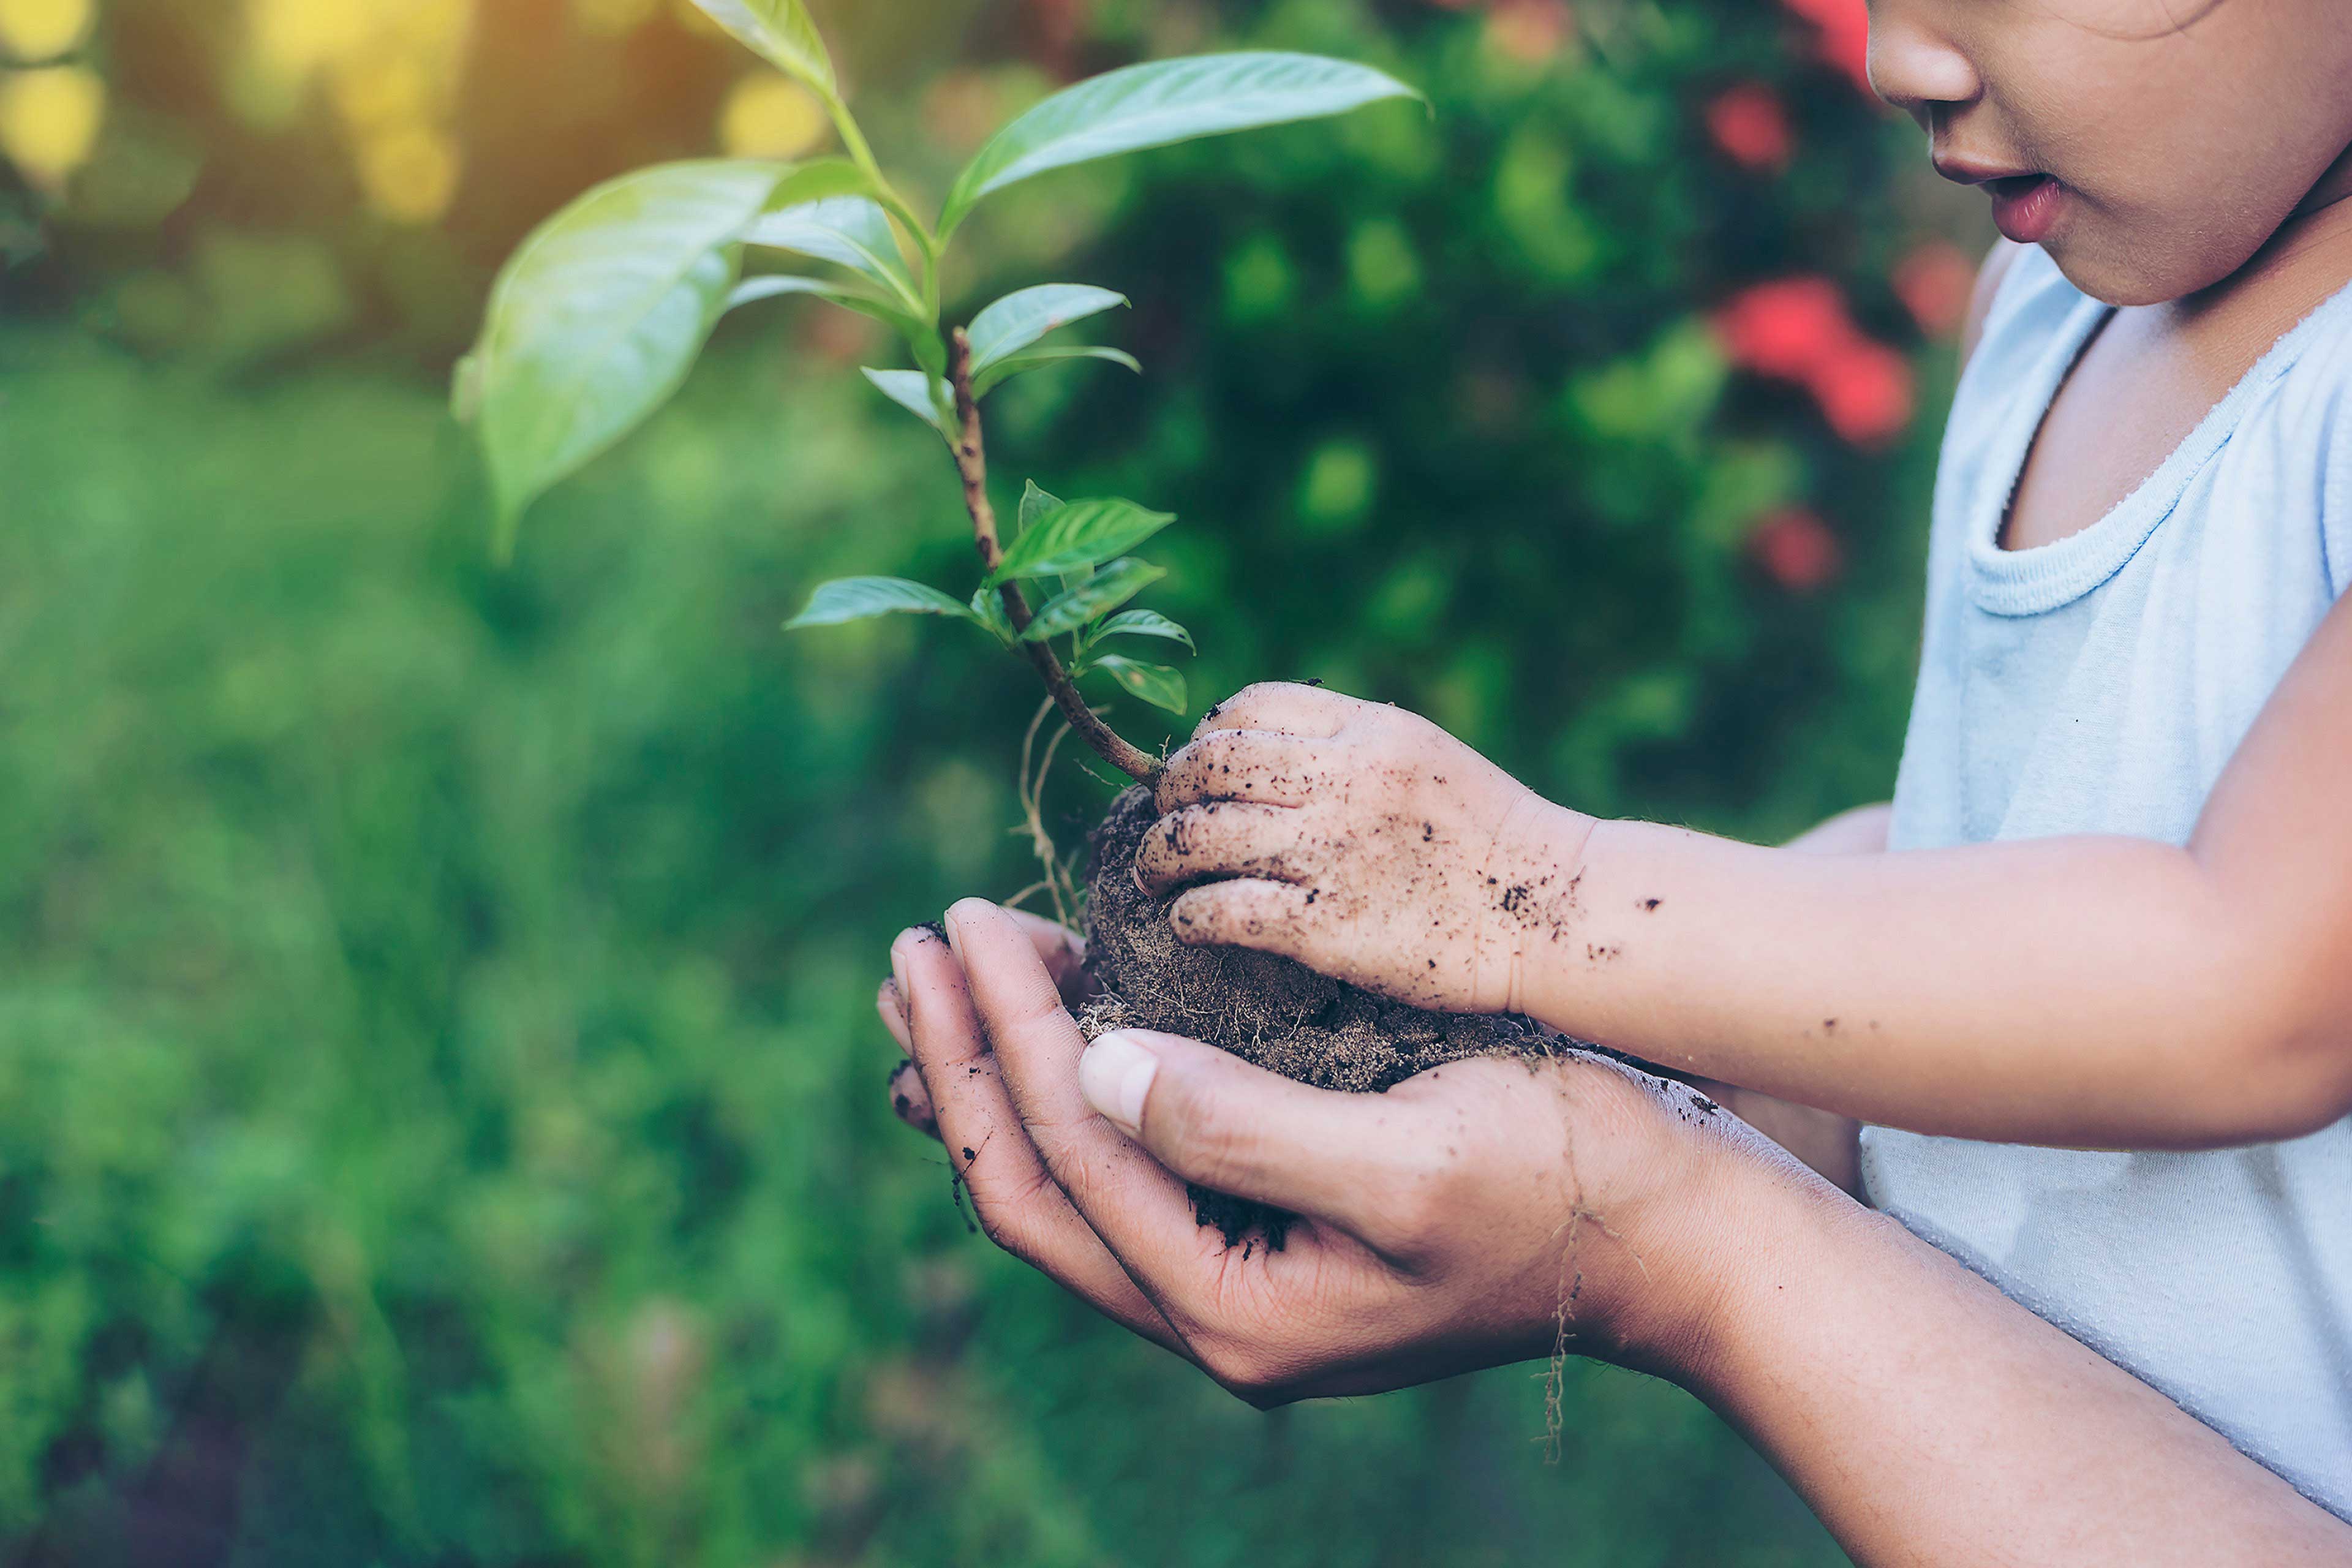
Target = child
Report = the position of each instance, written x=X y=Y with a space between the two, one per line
x=2121 y=918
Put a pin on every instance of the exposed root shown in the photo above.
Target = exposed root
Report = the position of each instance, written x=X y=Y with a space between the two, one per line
x=1060 y=881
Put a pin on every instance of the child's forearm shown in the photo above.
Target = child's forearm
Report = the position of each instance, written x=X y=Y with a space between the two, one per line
x=2102 y=992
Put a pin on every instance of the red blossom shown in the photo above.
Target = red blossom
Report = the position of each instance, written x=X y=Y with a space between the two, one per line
x=1865 y=391
x=1845 y=39
x=1785 y=327
x=1748 y=123
x=1796 y=550
x=1935 y=282
x=1797 y=329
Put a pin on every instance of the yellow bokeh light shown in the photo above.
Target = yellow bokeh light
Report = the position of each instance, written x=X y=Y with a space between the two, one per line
x=44 y=29
x=609 y=19
x=372 y=89
x=410 y=173
x=50 y=120
x=294 y=38
x=770 y=116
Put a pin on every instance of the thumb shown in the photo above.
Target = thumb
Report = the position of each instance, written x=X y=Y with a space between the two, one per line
x=1221 y=1123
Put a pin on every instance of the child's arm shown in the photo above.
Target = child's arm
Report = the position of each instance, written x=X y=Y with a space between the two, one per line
x=2099 y=991
x=1481 y=1213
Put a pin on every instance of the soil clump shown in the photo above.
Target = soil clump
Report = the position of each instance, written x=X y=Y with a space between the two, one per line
x=1265 y=1009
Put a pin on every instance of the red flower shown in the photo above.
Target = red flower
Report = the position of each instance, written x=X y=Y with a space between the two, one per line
x=1785 y=327
x=1798 y=330
x=1935 y=281
x=1797 y=550
x=1747 y=122
x=1864 y=391
x=1845 y=35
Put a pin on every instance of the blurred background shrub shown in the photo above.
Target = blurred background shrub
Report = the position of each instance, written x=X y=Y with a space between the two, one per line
x=440 y=1106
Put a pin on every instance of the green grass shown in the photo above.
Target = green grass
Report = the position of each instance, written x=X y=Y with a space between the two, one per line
x=439 y=1090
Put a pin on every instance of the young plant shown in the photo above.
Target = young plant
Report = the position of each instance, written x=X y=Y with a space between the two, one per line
x=598 y=318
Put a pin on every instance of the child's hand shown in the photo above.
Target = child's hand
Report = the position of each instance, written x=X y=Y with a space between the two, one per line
x=1366 y=843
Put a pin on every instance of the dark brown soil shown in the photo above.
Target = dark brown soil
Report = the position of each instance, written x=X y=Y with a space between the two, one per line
x=1267 y=1010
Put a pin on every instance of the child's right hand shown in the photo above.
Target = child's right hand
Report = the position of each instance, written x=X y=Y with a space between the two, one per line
x=1365 y=842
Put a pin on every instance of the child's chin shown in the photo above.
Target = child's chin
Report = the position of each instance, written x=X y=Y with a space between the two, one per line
x=2113 y=269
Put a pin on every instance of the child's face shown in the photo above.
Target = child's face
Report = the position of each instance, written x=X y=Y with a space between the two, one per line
x=2151 y=159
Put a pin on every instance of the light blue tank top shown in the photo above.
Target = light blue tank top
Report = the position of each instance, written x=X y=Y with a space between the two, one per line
x=2099 y=685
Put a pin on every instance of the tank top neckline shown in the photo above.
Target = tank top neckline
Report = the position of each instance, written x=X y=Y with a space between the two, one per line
x=2049 y=577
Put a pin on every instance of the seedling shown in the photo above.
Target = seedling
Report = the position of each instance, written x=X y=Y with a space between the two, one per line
x=599 y=318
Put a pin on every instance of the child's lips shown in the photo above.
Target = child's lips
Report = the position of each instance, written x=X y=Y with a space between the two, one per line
x=2025 y=208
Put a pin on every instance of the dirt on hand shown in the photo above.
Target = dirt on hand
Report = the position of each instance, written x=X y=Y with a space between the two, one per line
x=1267 y=1010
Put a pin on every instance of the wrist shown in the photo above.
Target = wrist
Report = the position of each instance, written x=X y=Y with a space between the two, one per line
x=1525 y=897
x=1776 y=1238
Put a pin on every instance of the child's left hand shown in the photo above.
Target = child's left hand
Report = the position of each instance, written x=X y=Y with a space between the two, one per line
x=1366 y=843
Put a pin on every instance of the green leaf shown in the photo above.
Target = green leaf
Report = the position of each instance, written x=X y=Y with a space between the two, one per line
x=1038 y=359
x=1081 y=534
x=1036 y=504
x=919 y=395
x=596 y=320
x=857 y=598
x=782 y=32
x=988 y=609
x=751 y=290
x=1143 y=624
x=1155 y=683
x=848 y=231
x=1106 y=591
x=1019 y=320
x=1162 y=102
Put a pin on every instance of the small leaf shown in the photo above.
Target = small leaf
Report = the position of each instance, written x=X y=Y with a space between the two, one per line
x=1106 y=591
x=1162 y=102
x=1155 y=683
x=1038 y=359
x=1019 y=320
x=857 y=598
x=1035 y=504
x=753 y=290
x=782 y=32
x=768 y=286
x=596 y=320
x=919 y=395
x=1081 y=534
x=822 y=179
x=848 y=231
x=1143 y=624
x=988 y=609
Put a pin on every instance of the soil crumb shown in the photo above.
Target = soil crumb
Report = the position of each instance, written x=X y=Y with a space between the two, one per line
x=1267 y=1010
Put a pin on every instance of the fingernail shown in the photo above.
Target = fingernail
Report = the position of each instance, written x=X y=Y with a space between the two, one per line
x=898 y=969
x=1115 y=1075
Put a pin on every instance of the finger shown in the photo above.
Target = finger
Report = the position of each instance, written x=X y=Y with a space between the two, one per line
x=893 y=1013
x=911 y=1102
x=1268 y=916
x=1063 y=951
x=1286 y=706
x=1222 y=838
x=1140 y=1210
x=1263 y=765
x=1018 y=1204
x=1351 y=1159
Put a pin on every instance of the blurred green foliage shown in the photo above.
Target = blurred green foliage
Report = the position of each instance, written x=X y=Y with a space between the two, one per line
x=440 y=1104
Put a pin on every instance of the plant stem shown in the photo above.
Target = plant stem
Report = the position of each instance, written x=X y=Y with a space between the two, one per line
x=972 y=463
x=853 y=141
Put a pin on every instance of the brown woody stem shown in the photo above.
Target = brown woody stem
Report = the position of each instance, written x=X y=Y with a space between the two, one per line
x=972 y=463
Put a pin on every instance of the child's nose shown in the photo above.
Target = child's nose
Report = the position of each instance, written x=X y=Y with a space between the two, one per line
x=1914 y=63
